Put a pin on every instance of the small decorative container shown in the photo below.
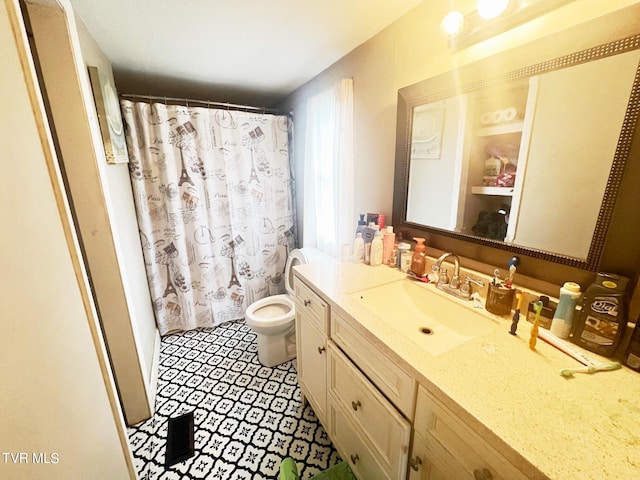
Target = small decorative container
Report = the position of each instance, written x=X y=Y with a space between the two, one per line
x=499 y=299
x=405 y=262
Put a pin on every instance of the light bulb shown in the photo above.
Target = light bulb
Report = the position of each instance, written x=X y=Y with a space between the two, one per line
x=488 y=9
x=452 y=23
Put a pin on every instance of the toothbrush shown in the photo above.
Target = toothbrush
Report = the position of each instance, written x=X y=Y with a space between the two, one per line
x=512 y=270
x=516 y=314
x=537 y=306
x=496 y=277
x=511 y=265
x=568 y=372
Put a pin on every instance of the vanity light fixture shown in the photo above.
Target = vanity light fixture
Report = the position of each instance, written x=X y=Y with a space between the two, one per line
x=452 y=23
x=491 y=18
x=489 y=9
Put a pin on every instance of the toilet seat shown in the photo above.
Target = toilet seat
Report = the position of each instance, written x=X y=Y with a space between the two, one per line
x=273 y=311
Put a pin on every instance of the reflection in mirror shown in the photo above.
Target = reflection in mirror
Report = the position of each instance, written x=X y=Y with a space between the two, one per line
x=525 y=161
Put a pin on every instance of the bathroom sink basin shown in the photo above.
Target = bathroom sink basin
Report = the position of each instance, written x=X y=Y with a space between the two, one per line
x=429 y=319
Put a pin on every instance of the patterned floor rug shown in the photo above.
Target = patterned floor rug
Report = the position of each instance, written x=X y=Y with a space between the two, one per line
x=248 y=417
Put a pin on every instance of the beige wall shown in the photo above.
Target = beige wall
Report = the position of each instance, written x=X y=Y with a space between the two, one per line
x=411 y=49
x=58 y=399
x=117 y=184
x=126 y=234
x=101 y=224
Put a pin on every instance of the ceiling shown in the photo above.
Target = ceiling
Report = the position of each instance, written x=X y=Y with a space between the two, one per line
x=249 y=50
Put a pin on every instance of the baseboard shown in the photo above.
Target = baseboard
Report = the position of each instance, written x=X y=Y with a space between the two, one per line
x=153 y=380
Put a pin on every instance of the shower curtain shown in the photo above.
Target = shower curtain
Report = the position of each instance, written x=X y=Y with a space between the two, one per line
x=214 y=202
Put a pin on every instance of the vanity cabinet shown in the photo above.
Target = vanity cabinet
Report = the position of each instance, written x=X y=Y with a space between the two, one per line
x=446 y=448
x=311 y=345
x=364 y=401
x=381 y=421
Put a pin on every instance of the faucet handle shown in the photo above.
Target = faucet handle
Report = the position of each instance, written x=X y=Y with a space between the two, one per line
x=444 y=278
x=466 y=286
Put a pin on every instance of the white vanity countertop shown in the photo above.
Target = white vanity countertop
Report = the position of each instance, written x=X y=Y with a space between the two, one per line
x=586 y=427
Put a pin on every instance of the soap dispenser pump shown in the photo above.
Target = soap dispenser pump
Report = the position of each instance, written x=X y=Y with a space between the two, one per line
x=418 y=260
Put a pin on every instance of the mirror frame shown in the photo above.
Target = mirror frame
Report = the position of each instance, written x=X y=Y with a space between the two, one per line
x=506 y=66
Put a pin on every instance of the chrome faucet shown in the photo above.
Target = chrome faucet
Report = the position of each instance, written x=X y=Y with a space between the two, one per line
x=452 y=286
x=454 y=283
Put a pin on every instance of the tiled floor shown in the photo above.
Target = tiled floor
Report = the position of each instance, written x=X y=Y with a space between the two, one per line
x=247 y=417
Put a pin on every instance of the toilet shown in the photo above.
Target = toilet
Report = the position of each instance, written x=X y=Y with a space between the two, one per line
x=273 y=318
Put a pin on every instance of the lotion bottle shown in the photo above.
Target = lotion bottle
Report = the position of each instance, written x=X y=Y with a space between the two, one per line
x=367 y=235
x=418 y=259
x=388 y=242
x=563 y=318
x=376 y=249
x=358 y=249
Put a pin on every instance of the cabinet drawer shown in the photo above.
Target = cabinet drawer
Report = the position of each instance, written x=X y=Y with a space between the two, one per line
x=387 y=431
x=352 y=445
x=309 y=304
x=395 y=383
x=455 y=447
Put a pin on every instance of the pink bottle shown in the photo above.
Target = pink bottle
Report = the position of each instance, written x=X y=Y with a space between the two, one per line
x=388 y=241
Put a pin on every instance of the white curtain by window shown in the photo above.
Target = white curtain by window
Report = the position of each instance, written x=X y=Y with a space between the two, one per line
x=329 y=218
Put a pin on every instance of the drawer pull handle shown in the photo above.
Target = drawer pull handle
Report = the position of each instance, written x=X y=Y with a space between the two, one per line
x=307 y=303
x=415 y=463
x=321 y=349
x=354 y=458
x=483 y=474
x=356 y=404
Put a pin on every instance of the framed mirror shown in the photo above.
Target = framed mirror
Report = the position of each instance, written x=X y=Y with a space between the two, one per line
x=516 y=157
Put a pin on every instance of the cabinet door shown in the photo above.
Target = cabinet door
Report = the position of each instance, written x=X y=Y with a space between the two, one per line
x=454 y=448
x=311 y=346
x=420 y=468
x=387 y=432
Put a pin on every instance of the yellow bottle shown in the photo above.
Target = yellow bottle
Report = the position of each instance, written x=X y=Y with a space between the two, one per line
x=418 y=259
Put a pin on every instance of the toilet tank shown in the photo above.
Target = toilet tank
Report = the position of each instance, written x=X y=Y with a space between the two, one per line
x=301 y=256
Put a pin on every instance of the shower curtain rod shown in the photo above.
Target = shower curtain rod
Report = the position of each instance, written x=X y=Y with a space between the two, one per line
x=189 y=101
